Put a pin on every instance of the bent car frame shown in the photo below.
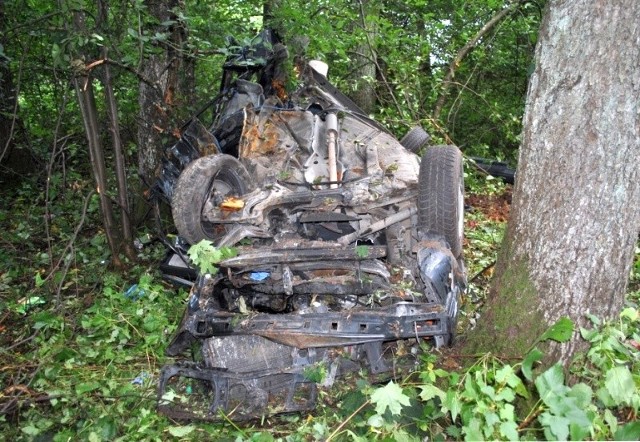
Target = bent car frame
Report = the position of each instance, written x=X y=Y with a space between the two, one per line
x=347 y=241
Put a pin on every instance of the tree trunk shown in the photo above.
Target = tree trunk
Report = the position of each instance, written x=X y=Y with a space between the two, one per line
x=173 y=69
x=576 y=207
x=116 y=141
x=120 y=168
x=364 y=94
x=87 y=104
x=83 y=82
x=8 y=96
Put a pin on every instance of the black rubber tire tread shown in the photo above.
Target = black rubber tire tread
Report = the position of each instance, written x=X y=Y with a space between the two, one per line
x=191 y=192
x=440 y=190
x=415 y=139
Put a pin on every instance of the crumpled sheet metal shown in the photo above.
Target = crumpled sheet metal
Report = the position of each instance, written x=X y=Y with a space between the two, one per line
x=283 y=140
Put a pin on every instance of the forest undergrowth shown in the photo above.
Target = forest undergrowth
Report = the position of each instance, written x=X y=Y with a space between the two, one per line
x=81 y=346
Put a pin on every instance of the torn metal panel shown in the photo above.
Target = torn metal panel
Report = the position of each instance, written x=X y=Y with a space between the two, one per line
x=334 y=265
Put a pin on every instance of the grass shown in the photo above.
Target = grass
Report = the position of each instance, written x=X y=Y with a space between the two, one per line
x=81 y=348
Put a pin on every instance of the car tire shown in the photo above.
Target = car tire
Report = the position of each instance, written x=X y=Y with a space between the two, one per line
x=441 y=195
x=215 y=176
x=415 y=139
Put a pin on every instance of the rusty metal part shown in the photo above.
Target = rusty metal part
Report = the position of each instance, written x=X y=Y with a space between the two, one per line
x=279 y=256
x=328 y=329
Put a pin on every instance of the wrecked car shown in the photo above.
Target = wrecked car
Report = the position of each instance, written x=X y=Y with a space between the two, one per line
x=347 y=241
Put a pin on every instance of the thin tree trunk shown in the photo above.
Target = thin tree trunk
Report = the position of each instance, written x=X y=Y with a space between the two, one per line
x=121 y=174
x=114 y=128
x=576 y=211
x=83 y=83
x=87 y=103
x=364 y=76
x=8 y=96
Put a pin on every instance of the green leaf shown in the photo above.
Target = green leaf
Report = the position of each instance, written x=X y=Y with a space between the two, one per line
x=375 y=421
x=362 y=251
x=180 y=431
x=582 y=393
x=168 y=397
x=390 y=396
x=557 y=425
x=509 y=430
x=507 y=413
x=619 y=383
x=453 y=404
x=561 y=331
x=204 y=255
x=506 y=394
x=630 y=431
x=605 y=397
x=504 y=374
x=630 y=313
x=86 y=387
x=470 y=391
x=472 y=430
x=611 y=421
x=39 y=280
x=532 y=357
x=551 y=383
x=490 y=419
x=30 y=430
x=454 y=432
x=429 y=391
x=579 y=432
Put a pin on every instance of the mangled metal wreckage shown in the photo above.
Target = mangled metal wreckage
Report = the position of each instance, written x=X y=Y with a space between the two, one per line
x=347 y=242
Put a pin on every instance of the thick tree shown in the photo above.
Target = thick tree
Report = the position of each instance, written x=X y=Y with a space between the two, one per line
x=171 y=69
x=576 y=209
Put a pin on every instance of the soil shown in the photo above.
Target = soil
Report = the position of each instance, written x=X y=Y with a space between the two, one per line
x=494 y=207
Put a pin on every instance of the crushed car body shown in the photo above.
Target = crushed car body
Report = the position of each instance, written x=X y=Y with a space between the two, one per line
x=346 y=242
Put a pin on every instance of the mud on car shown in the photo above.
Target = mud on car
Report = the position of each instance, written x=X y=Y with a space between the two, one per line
x=348 y=243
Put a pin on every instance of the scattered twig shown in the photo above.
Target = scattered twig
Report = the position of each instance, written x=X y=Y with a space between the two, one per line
x=73 y=237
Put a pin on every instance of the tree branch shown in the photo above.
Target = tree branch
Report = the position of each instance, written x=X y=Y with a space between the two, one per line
x=153 y=84
x=467 y=48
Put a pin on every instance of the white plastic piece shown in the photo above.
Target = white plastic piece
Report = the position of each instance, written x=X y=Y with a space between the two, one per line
x=320 y=67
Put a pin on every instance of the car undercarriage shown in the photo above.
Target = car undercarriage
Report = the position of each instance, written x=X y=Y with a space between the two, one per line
x=346 y=242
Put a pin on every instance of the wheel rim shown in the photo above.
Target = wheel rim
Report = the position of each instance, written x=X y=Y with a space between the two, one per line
x=220 y=188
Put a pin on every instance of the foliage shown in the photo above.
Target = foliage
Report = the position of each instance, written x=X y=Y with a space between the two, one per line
x=205 y=256
x=81 y=345
x=99 y=351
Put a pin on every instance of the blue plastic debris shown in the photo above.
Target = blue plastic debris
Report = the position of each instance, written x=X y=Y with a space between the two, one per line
x=134 y=292
x=139 y=380
x=258 y=276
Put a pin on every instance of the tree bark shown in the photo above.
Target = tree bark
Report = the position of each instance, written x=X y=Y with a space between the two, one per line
x=83 y=82
x=173 y=70
x=8 y=95
x=364 y=94
x=116 y=141
x=576 y=207
x=87 y=104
